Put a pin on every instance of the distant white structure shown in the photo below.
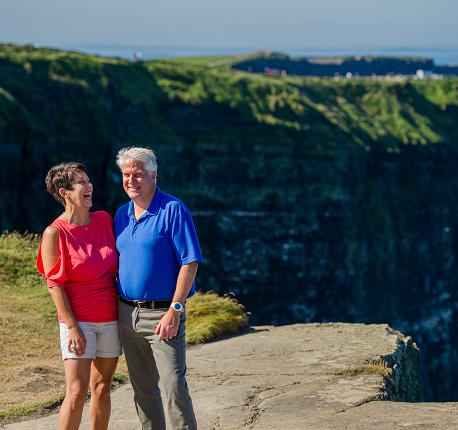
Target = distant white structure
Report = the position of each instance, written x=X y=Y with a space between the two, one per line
x=138 y=56
x=422 y=74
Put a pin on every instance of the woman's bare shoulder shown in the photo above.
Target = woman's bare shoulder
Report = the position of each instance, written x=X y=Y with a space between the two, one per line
x=50 y=237
x=51 y=232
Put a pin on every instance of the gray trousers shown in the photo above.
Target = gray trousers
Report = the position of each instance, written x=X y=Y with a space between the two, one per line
x=148 y=360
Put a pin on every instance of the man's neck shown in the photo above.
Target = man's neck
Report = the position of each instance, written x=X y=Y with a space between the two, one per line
x=142 y=204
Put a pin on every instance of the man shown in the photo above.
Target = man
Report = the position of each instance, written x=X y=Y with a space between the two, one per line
x=158 y=257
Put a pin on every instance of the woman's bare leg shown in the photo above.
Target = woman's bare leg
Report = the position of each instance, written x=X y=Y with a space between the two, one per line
x=77 y=373
x=102 y=371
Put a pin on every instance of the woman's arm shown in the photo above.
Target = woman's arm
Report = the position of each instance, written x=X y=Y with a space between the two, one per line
x=50 y=255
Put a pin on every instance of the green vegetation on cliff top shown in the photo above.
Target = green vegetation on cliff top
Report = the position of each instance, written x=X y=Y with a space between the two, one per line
x=364 y=111
x=215 y=129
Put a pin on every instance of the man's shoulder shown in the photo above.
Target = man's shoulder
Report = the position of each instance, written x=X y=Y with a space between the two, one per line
x=172 y=203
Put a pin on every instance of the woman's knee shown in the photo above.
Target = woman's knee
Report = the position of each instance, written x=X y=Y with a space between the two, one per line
x=101 y=389
x=76 y=394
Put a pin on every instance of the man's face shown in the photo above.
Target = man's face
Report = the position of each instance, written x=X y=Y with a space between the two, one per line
x=137 y=182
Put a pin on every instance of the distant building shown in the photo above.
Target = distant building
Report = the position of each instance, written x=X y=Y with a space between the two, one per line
x=274 y=71
x=422 y=74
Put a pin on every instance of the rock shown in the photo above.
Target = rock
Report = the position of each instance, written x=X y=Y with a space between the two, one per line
x=302 y=376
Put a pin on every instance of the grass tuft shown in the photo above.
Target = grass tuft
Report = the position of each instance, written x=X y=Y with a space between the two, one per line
x=370 y=367
x=210 y=316
x=120 y=378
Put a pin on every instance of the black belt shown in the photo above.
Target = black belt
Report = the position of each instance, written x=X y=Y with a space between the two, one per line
x=147 y=304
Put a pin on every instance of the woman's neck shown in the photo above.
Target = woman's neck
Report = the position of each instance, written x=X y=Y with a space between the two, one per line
x=77 y=216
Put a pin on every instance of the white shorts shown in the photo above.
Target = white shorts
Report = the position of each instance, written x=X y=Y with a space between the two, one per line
x=102 y=340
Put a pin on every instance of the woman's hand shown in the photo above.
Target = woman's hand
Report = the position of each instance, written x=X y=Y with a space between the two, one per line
x=76 y=341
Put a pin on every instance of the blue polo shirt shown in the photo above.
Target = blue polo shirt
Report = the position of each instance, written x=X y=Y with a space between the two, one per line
x=153 y=248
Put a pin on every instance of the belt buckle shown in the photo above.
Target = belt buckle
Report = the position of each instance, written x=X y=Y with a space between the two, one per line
x=139 y=303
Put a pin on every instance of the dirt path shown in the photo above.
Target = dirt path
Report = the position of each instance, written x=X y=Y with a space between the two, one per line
x=285 y=378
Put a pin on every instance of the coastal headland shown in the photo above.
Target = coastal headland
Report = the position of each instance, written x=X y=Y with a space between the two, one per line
x=321 y=199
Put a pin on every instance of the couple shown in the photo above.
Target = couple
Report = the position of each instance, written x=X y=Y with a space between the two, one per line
x=158 y=256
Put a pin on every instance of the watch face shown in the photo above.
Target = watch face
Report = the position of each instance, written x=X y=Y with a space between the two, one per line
x=177 y=306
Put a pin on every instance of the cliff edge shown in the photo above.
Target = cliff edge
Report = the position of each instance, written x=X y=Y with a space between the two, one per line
x=302 y=376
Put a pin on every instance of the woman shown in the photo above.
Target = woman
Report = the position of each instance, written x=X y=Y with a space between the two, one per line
x=78 y=258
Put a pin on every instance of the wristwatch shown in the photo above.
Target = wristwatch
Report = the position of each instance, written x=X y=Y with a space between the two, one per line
x=177 y=306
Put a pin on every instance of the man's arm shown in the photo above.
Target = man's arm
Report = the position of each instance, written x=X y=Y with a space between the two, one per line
x=169 y=323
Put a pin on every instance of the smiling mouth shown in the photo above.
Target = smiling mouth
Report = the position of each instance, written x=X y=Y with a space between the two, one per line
x=88 y=196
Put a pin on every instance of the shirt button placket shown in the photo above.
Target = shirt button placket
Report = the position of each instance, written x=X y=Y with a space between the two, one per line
x=134 y=228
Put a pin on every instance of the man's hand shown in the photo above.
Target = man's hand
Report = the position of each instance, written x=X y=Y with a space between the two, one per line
x=168 y=325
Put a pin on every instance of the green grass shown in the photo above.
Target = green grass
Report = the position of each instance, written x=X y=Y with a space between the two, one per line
x=370 y=367
x=203 y=60
x=29 y=330
x=28 y=52
x=22 y=410
x=120 y=378
x=382 y=113
x=210 y=316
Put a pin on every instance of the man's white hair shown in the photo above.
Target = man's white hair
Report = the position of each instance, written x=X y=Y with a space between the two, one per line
x=144 y=155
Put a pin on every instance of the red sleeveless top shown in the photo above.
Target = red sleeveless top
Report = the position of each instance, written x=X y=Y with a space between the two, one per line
x=86 y=268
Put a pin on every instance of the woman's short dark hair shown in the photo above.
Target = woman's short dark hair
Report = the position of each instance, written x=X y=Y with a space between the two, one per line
x=61 y=176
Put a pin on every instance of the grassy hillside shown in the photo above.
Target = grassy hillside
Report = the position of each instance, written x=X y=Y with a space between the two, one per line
x=373 y=113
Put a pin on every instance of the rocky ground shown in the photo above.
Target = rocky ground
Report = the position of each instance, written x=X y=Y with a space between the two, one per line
x=303 y=376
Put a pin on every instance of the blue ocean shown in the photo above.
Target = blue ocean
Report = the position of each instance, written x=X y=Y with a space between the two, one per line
x=440 y=55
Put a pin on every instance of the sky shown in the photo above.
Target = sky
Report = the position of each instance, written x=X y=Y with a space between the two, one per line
x=267 y=24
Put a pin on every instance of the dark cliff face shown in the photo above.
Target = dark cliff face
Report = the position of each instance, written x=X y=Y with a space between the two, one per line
x=314 y=200
x=351 y=260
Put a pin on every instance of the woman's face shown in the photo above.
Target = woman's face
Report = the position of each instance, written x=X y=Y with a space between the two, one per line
x=81 y=194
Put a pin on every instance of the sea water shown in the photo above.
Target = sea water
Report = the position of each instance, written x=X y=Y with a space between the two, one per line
x=440 y=55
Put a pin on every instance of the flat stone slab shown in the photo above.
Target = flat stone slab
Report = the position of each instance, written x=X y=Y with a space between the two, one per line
x=286 y=378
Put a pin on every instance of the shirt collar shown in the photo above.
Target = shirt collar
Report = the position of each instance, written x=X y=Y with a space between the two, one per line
x=153 y=208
